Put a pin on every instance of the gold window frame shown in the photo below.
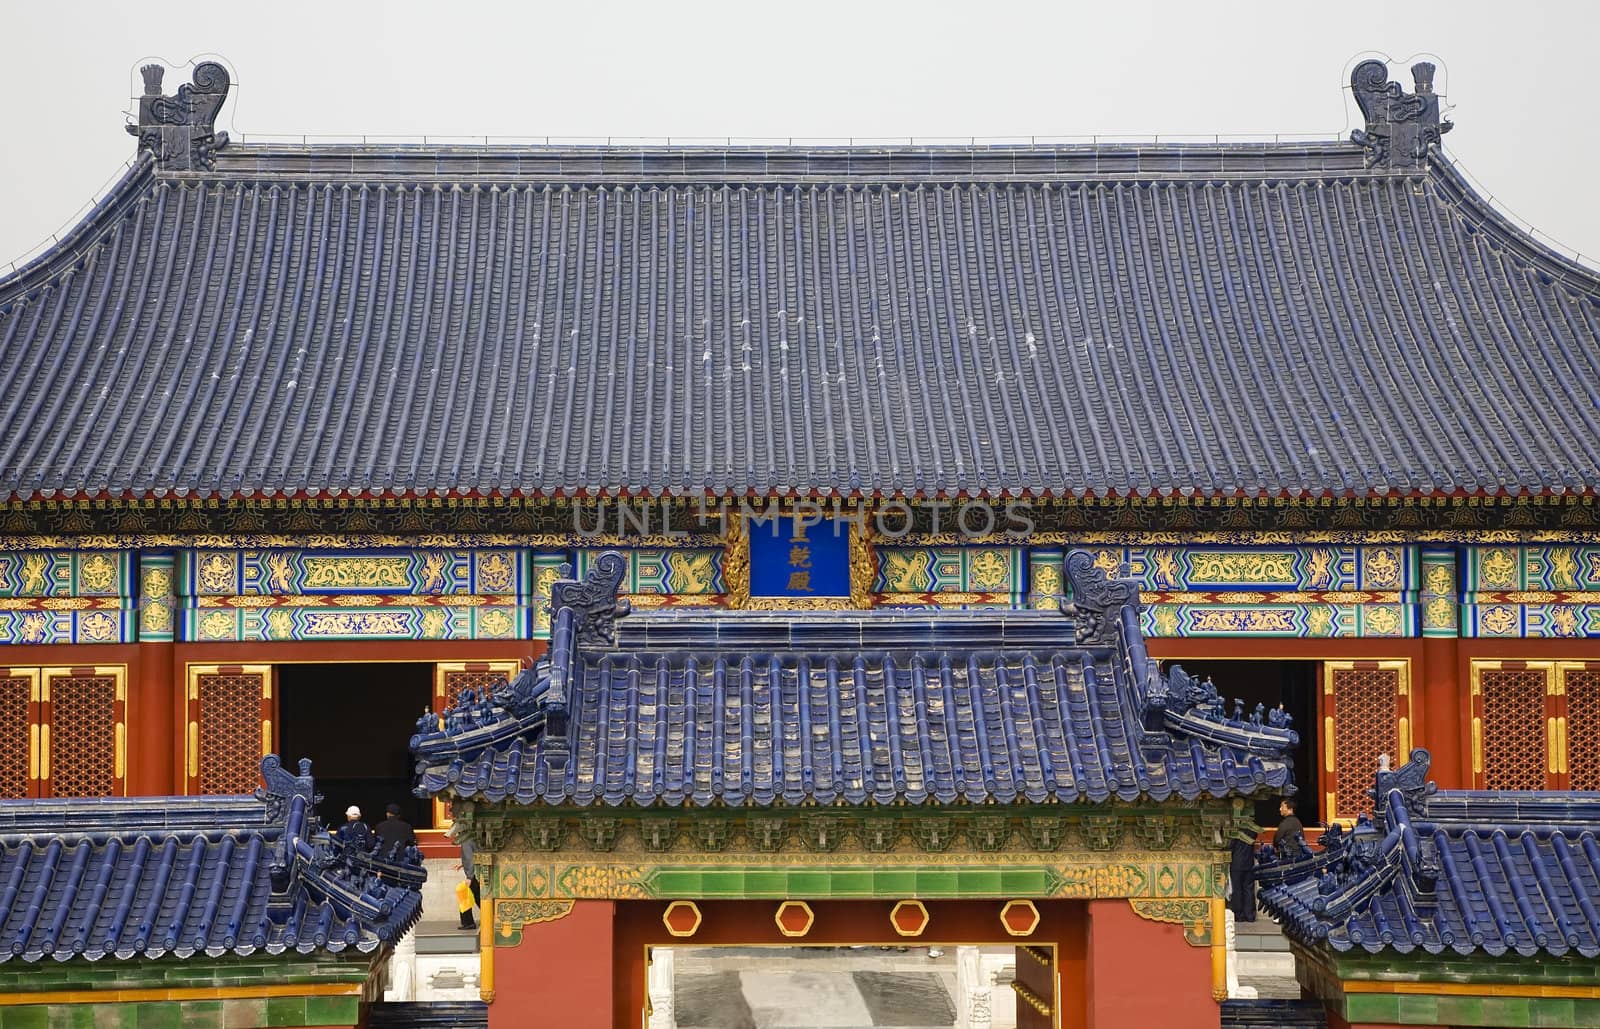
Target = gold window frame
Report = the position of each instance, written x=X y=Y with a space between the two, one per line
x=191 y=713
x=1329 y=709
x=119 y=717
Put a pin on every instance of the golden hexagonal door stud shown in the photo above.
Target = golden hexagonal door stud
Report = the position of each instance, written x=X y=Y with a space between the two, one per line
x=682 y=918
x=794 y=918
x=1019 y=917
x=909 y=918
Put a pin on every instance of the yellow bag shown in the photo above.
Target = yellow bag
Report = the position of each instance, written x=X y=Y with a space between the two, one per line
x=463 y=896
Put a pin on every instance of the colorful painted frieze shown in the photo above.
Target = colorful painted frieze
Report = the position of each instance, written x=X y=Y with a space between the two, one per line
x=66 y=596
x=65 y=573
x=1390 y=568
x=441 y=572
x=1564 y=569
x=356 y=618
x=951 y=575
x=1532 y=621
x=105 y=621
x=1311 y=620
x=689 y=572
x=548 y=567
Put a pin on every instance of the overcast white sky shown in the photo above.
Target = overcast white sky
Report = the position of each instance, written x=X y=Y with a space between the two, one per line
x=1519 y=77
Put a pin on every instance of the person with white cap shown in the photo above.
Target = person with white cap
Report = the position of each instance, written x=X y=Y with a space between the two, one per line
x=354 y=833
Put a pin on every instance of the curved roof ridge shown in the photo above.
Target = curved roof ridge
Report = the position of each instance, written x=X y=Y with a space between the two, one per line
x=1465 y=195
x=69 y=249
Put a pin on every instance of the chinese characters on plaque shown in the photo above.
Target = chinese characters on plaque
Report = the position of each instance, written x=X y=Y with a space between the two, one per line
x=799 y=555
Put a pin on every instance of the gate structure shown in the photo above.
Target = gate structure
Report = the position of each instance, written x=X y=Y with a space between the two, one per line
x=829 y=777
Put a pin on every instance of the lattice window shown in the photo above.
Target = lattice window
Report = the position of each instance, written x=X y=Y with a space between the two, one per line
x=228 y=720
x=457 y=682
x=450 y=680
x=16 y=732
x=1583 y=727
x=83 y=733
x=1513 y=727
x=1368 y=704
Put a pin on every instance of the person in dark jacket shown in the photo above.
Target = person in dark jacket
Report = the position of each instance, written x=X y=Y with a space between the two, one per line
x=394 y=835
x=1290 y=839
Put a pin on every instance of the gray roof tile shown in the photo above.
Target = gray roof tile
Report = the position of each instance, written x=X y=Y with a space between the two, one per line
x=1067 y=320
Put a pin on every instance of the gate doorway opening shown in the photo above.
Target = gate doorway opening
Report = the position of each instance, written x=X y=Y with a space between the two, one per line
x=355 y=721
x=1270 y=683
x=871 y=985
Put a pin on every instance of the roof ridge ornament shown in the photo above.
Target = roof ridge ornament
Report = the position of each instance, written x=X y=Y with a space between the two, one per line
x=178 y=130
x=1411 y=779
x=1096 y=599
x=595 y=602
x=1401 y=126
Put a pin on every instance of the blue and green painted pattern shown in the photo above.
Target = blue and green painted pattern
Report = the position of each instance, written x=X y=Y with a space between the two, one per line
x=999 y=570
x=97 y=626
x=437 y=572
x=397 y=622
x=1310 y=621
x=686 y=571
x=1311 y=568
x=1565 y=568
x=66 y=573
x=1531 y=621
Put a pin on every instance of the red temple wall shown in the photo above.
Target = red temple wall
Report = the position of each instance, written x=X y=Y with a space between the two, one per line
x=1144 y=973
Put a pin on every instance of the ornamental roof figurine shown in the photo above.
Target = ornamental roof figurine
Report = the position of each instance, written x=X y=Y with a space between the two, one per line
x=1285 y=320
x=1448 y=871
x=762 y=709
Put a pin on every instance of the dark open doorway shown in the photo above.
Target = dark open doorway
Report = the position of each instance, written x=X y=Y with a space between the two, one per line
x=1292 y=684
x=355 y=721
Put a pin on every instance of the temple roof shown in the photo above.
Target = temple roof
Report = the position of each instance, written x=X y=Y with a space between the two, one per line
x=1279 y=319
x=183 y=876
x=1462 y=871
x=691 y=708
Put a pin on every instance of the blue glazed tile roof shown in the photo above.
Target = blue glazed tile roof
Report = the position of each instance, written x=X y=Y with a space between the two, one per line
x=691 y=708
x=179 y=876
x=1254 y=318
x=1459 y=871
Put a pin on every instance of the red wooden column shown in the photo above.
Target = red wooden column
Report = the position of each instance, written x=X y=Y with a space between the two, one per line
x=1144 y=973
x=1444 y=712
x=154 y=709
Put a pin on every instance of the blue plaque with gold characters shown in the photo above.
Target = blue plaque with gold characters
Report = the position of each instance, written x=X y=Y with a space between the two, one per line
x=799 y=555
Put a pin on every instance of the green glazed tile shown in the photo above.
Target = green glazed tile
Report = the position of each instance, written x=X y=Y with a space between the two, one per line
x=157 y=1015
x=333 y=1010
x=722 y=883
x=286 y=1011
x=677 y=883
x=1461 y=1010
x=896 y=883
x=851 y=884
x=75 y=1016
x=1554 y=1011
x=1417 y=1009
x=1371 y=1007
x=983 y=882
x=1507 y=1011
x=26 y=1016
x=202 y=1014
x=766 y=884
x=804 y=885
x=936 y=884
x=1024 y=882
